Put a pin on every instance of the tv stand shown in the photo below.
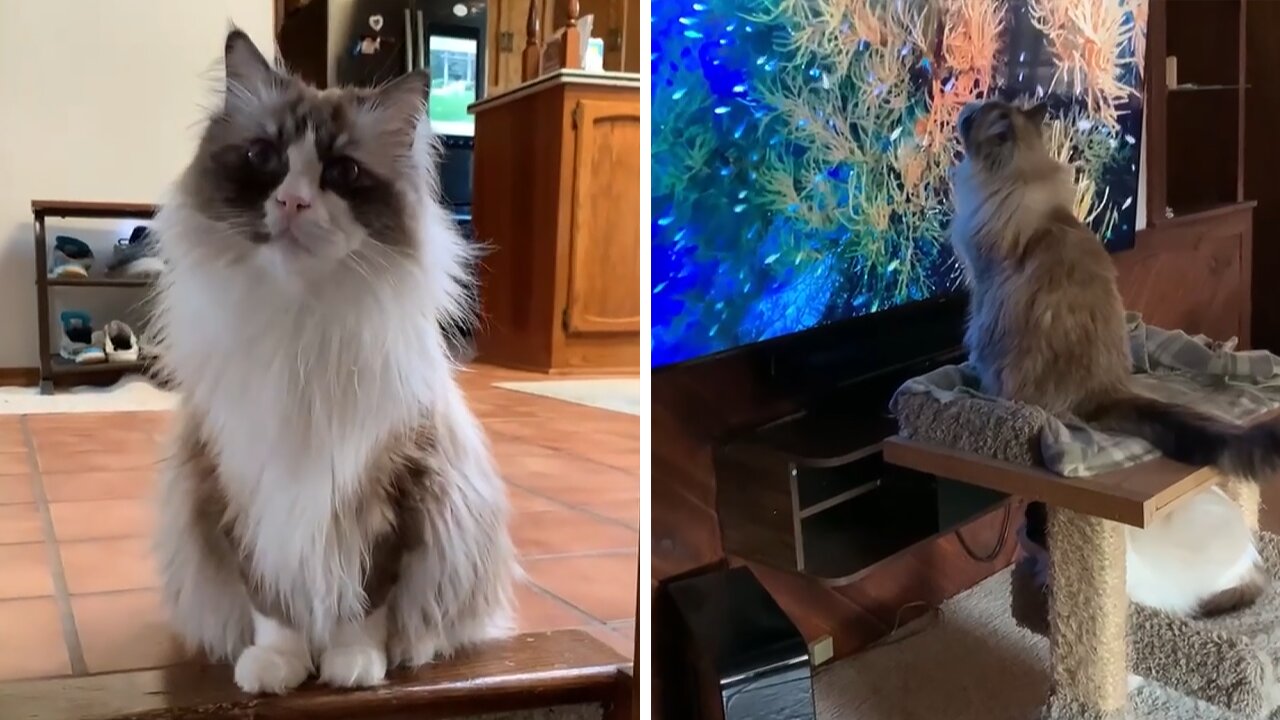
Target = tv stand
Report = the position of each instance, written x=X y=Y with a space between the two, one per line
x=811 y=492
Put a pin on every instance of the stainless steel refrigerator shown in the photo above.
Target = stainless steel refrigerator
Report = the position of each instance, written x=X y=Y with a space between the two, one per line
x=369 y=42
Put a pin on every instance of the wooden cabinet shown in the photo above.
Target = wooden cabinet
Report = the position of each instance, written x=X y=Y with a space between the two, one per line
x=557 y=200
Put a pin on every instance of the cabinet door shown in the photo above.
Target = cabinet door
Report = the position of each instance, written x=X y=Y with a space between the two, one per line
x=604 y=249
x=508 y=48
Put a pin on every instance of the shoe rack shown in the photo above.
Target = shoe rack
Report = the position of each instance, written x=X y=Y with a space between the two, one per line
x=52 y=365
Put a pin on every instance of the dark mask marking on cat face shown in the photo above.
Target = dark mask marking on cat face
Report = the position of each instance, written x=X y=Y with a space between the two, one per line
x=360 y=136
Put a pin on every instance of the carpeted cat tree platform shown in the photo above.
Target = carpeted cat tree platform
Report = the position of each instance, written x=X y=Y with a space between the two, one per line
x=1095 y=485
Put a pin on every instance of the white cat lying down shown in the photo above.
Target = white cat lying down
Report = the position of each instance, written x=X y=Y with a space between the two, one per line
x=1200 y=558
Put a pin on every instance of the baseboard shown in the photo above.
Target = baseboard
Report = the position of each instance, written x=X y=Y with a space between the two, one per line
x=19 y=376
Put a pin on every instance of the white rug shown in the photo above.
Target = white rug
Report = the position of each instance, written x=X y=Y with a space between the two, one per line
x=131 y=394
x=971 y=662
x=616 y=394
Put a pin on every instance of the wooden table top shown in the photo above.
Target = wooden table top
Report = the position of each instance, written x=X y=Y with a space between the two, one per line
x=531 y=670
x=1134 y=495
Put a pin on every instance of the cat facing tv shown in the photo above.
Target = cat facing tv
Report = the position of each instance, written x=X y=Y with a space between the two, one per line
x=801 y=156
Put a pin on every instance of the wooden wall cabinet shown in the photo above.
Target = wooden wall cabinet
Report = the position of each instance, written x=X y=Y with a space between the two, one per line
x=616 y=22
x=557 y=200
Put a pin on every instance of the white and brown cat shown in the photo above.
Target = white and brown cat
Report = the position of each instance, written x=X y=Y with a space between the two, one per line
x=1047 y=328
x=331 y=504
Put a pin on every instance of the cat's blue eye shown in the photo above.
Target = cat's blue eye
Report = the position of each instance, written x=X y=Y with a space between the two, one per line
x=340 y=173
x=262 y=154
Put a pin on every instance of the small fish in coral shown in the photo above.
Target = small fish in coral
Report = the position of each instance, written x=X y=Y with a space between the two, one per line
x=687 y=20
x=739 y=207
x=742 y=194
x=1127 y=202
x=721 y=109
x=769 y=260
x=1130 y=139
x=659 y=287
x=693 y=34
x=666 y=220
x=895 y=134
x=679 y=93
x=739 y=89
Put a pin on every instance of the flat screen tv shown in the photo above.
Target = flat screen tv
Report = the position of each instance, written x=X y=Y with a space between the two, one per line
x=801 y=149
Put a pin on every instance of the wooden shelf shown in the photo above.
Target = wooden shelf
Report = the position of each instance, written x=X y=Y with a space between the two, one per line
x=1193 y=88
x=89 y=209
x=51 y=364
x=62 y=366
x=534 y=670
x=1133 y=496
x=103 y=282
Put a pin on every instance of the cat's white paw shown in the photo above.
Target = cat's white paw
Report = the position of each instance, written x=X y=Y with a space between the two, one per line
x=1135 y=682
x=353 y=666
x=268 y=669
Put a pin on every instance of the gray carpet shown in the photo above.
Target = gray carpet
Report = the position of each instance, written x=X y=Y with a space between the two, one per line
x=971 y=662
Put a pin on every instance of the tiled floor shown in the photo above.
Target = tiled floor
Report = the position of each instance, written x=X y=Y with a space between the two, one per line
x=77 y=586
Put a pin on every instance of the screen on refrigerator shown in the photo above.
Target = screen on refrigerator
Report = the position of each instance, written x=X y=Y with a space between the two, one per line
x=453 y=84
x=801 y=148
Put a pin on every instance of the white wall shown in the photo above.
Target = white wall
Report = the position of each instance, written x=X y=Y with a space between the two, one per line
x=99 y=100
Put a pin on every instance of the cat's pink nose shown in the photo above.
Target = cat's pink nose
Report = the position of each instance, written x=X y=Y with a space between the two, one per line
x=292 y=203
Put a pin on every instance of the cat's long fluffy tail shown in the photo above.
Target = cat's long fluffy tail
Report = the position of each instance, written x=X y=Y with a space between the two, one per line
x=1193 y=437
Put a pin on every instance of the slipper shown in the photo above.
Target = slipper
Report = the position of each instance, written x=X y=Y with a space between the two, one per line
x=120 y=343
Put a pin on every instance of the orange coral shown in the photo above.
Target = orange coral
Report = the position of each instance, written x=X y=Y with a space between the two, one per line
x=1086 y=37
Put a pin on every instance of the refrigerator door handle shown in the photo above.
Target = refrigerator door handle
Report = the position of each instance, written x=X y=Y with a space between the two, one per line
x=408 y=41
x=422 y=42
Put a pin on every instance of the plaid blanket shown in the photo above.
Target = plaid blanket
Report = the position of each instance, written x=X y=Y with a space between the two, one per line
x=1167 y=364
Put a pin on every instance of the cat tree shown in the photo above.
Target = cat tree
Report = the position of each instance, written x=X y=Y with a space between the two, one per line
x=1097 y=637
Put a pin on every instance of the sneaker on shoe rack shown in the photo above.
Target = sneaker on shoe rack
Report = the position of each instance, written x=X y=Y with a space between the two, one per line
x=120 y=342
x=80 y=343
x=71 y=258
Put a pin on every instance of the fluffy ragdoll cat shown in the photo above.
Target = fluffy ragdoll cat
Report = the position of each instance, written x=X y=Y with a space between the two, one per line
x=330 y=505
x=1047 y=328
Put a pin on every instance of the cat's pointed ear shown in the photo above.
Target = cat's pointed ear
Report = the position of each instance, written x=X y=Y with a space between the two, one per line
x=403 y=100
x=247 y=70
x=1037 y=113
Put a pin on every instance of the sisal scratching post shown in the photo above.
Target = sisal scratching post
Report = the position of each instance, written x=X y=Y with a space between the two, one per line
x=1248 y=495
x=1088 y=618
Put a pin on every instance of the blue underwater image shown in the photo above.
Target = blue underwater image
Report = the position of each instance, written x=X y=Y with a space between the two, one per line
x=801 y=148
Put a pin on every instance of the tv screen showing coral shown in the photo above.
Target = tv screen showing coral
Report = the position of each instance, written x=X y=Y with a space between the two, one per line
x=801 y=148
